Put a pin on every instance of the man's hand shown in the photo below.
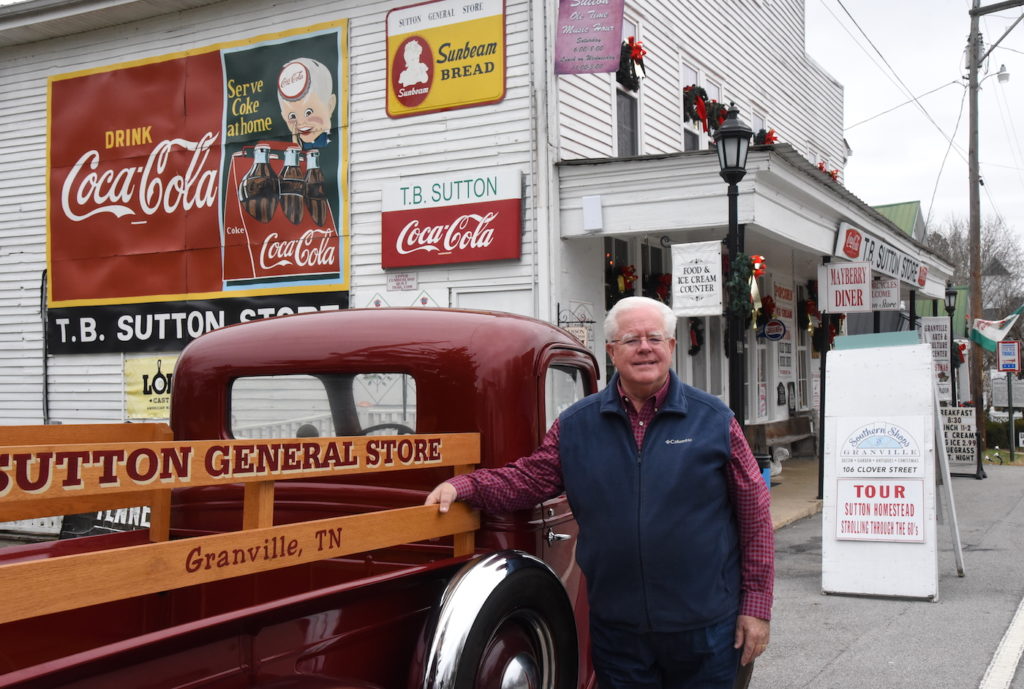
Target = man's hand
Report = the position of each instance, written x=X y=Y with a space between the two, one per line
x=443 y=496
x=752 y=636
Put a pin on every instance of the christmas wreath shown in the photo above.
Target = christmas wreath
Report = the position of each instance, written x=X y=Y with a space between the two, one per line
x=657 y=286
x=765 y=138
x=696 y=336
x=618 y=283
x=766 y=312
x=737 y=286
x=697 y=107
x=631 y=64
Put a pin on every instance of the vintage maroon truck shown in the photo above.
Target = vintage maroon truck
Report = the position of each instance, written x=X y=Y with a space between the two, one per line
x=289 y=547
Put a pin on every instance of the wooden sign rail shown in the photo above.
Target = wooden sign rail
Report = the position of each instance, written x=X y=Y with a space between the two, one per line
x=63 y=473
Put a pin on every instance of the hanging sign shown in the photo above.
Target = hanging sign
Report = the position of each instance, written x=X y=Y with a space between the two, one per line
x=588 y=37
x=885 y=294
x=697 y=279
x=783 y=294
x=934 y=330
x=845 y=287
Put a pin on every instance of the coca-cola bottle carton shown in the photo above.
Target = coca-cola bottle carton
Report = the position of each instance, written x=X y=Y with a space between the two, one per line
x=262 y=246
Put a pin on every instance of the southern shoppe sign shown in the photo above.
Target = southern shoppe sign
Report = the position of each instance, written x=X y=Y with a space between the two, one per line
x=195 y=190
x=452 y=218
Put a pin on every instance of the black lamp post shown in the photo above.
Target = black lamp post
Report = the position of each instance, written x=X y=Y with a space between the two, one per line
x=954 y=359
x=732 y=141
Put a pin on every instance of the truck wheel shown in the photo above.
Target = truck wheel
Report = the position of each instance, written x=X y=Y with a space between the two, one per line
x=523 y=638
x=504 y=622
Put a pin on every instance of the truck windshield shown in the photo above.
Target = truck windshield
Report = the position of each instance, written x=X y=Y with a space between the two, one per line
x=330 y=404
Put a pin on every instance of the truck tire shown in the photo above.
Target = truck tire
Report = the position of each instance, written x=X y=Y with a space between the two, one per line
x=522 y=634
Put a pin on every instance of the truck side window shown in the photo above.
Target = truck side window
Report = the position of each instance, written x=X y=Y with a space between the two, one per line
x=563 y=385
x=309 y=406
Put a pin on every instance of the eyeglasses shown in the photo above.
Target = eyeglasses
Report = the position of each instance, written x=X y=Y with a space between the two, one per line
x=633 y=341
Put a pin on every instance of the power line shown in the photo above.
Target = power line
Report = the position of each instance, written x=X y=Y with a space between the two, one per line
x=896 y=107
x=898 y=81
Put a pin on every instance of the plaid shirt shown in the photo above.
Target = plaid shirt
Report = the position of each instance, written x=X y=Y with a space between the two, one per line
x=538 y=477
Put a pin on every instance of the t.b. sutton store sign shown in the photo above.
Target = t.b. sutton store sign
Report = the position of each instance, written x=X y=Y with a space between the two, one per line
x=452 y=218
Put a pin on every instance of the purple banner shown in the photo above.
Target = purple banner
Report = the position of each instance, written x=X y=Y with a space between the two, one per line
x=589 y=36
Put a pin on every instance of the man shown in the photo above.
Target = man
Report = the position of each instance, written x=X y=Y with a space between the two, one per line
x=676 y=537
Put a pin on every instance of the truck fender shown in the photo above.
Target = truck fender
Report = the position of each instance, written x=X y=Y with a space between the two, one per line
x=504 y=621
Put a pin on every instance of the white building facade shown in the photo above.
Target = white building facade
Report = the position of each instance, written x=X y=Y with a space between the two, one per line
x=585 y=178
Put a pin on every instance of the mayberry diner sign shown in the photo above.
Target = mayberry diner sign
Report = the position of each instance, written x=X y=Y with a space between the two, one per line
x=452 y=218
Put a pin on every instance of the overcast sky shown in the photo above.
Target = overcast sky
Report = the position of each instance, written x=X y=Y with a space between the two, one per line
x=901 y=154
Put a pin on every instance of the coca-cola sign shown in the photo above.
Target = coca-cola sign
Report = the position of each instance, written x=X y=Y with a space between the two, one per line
x=157 y=191
x=452 y=218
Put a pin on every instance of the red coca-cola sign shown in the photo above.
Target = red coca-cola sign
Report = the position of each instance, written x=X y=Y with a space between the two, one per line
x=852 y=242
x=452 y=218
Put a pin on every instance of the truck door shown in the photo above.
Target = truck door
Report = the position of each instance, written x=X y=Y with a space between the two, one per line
x=566 y=380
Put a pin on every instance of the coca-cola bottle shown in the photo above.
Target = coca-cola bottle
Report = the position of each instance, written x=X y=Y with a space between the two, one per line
x=260 y=189
x=316 y=190
x=293 y=186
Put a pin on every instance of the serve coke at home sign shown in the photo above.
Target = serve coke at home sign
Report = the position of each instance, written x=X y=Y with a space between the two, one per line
x=452 y=218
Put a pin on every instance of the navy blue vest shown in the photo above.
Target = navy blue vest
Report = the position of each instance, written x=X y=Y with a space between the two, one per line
x=658 y=538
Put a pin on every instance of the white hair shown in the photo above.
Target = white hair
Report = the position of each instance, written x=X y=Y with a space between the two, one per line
x=627 y=304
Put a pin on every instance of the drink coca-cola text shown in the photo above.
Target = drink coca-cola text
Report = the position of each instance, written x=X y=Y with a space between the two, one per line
x=469 y=231
x=144 y=189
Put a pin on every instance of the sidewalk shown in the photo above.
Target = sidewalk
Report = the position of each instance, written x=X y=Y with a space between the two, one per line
x=795 y=490
x=850 y=642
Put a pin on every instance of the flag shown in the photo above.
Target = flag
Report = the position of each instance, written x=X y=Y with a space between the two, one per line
x=989 y=333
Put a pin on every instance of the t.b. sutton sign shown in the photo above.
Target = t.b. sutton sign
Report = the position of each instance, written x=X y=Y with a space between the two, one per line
x=452 y=218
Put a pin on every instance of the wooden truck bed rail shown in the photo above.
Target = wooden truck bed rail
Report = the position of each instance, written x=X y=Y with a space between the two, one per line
x=54 y=472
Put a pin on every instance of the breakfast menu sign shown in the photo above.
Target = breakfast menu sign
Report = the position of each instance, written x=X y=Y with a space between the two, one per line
x=214 y=192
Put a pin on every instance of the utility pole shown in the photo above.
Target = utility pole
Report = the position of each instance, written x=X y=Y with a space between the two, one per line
x=974 y=60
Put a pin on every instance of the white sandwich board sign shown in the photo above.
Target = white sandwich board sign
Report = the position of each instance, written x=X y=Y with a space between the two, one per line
x=879 y=514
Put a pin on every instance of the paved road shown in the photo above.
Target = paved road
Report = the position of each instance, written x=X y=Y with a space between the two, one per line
x=848 y=642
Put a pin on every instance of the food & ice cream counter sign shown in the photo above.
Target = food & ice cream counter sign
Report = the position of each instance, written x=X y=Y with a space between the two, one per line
x=444 y=55
x=186 y=189
x=880 y=480
x=452 y=218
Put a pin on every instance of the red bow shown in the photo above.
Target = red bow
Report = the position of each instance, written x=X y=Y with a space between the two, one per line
x=636 y=49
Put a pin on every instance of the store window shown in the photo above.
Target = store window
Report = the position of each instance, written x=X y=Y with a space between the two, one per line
x=627 y=106
x=691 y=128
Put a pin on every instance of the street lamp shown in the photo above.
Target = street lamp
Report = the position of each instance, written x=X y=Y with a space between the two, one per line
x=732 y=140
x=954 y=362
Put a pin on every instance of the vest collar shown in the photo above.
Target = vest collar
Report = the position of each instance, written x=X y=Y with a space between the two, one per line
x=675 y=400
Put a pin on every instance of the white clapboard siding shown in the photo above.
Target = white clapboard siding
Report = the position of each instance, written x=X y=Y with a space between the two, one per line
x=756 y=52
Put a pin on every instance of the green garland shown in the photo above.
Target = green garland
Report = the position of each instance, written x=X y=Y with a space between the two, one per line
x=738 y=287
